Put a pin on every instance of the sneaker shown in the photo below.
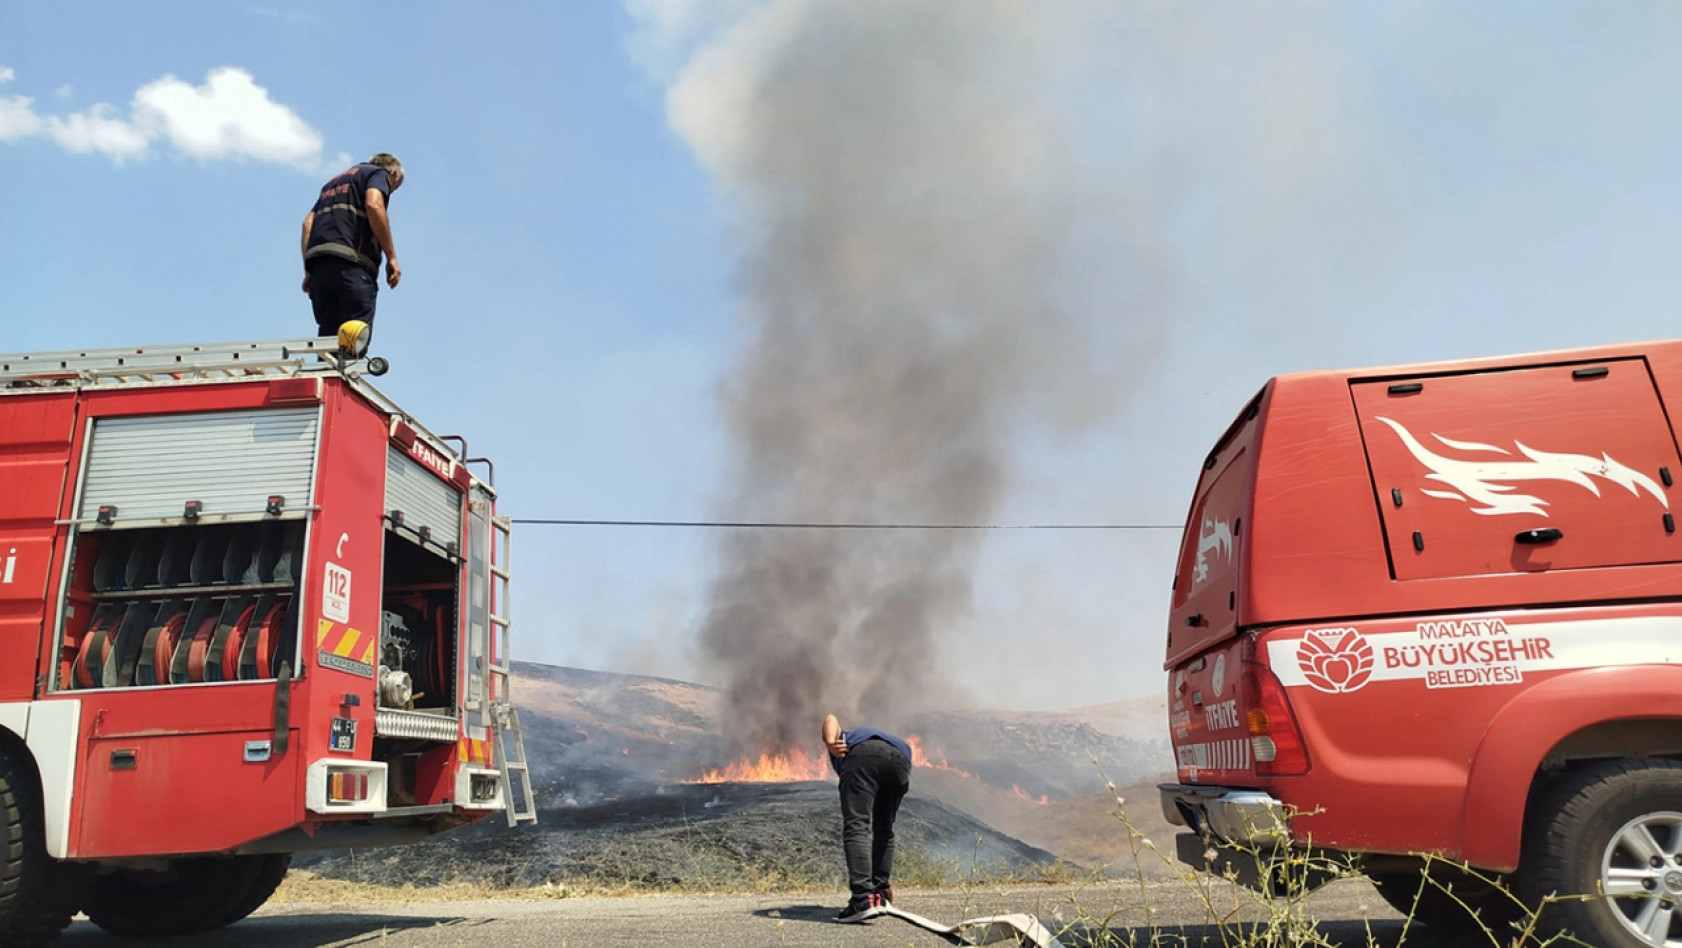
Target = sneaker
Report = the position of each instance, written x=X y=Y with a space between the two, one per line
x=887 y=895
x=860 y=909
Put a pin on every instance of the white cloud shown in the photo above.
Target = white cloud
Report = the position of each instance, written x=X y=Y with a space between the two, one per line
x=17 y=113
x=65 y=92
x=98 y=129
x=17 y=118
x=228 y=117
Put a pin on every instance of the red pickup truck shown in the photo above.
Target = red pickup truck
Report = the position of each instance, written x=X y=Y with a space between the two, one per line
x=1436 y=610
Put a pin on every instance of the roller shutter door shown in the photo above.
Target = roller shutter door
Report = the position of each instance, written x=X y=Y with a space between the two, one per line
x=150 y=466
x=424 y=500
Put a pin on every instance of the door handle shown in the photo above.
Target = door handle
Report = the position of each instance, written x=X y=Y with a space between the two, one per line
x=1543 y=535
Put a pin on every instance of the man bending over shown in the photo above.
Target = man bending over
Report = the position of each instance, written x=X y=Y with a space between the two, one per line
x=875 y=771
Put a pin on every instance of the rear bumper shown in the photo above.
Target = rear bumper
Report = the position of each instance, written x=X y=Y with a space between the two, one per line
x=1231 y=816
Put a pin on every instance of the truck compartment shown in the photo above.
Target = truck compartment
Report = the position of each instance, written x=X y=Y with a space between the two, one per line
x=1523 y=470
x=180 y=605
x=1541 y=478
x=183 y=793
x=418 y=727
x=418 y=626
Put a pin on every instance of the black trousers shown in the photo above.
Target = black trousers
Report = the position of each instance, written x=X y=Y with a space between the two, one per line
x=874 y=779
x=340 y=291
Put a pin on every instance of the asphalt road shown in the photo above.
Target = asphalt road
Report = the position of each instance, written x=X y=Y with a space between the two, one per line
x=1349 y=909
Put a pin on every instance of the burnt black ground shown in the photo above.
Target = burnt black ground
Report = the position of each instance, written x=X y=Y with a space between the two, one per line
x=725 y=836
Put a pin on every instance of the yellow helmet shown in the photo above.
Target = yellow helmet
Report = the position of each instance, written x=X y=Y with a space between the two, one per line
x=353 y=337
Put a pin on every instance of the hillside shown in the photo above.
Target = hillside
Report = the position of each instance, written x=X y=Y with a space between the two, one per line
x=613 y=758
x=592 y=735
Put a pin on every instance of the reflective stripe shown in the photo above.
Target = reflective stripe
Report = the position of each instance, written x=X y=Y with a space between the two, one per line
x=344 y=251
x=342 y=207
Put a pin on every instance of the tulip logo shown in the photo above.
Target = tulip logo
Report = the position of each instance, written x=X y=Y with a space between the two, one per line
x=1336 y=661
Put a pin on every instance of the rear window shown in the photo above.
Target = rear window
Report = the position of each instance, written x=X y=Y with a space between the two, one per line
x=1208 y=554
x=1547 y=468
x=1205 y=605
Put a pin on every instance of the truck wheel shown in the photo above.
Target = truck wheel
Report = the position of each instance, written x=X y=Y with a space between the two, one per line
x=270 y=870
x=1612 y=828
x=1426 y=902
x=195 y=896
x=36 y=897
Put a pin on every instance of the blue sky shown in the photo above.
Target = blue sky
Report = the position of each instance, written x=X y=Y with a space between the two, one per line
x=1333 y=186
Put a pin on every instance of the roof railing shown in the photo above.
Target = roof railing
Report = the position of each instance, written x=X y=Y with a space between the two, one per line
x=157 y=366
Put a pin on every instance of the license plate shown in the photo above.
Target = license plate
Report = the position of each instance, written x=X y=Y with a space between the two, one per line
x=342 y=737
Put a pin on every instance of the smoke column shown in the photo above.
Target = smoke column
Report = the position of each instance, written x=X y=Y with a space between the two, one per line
x=931 y=270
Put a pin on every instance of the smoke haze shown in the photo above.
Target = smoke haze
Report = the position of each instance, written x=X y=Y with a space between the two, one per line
x=934 y=264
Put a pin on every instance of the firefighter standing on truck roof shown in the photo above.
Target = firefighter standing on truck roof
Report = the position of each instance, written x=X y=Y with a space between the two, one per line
x=343 y=236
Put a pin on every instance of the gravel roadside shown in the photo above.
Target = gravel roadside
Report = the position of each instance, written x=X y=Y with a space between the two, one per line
x=1350 y=909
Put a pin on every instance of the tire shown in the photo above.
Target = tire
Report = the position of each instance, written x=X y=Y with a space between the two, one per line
x=1427 y=902
x=1595 y=827
x=37 y=894
x=195 y=896
x=271 y=869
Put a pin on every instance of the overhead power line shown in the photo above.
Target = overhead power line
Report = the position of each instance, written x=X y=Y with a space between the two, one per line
x=777 y=525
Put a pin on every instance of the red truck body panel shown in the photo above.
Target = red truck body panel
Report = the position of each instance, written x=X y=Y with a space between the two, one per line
x=1394 y=568
x=35 y=441
x=181 y=768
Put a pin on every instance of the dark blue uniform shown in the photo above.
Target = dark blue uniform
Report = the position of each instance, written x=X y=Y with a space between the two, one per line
x=343 y=255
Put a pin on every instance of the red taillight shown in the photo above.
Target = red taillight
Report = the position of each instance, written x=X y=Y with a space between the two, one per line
x=347 y=787
x=1275 y=742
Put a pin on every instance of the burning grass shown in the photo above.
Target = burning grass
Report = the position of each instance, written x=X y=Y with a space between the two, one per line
x=798 y=765
x=1020 y=794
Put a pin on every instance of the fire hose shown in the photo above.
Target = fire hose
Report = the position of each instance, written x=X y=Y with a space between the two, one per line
x=212 y=638
x=159 y=648
x=1017 y=929
x=243 y=641
x=96 y=648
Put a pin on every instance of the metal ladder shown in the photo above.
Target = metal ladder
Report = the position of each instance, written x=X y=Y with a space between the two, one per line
x=510 y=743
x=141 y=365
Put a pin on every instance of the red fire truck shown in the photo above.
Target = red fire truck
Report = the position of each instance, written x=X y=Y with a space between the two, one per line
x=1436 y=610
x=248 y=607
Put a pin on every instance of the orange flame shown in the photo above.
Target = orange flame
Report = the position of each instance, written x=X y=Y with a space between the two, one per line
x=799 y=765
x=1017 y=792
x=794 y=766
x=920 y=758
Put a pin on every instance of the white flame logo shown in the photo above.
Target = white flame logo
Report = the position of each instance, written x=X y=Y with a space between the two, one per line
x=1482 y=481
x=1216 y=535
